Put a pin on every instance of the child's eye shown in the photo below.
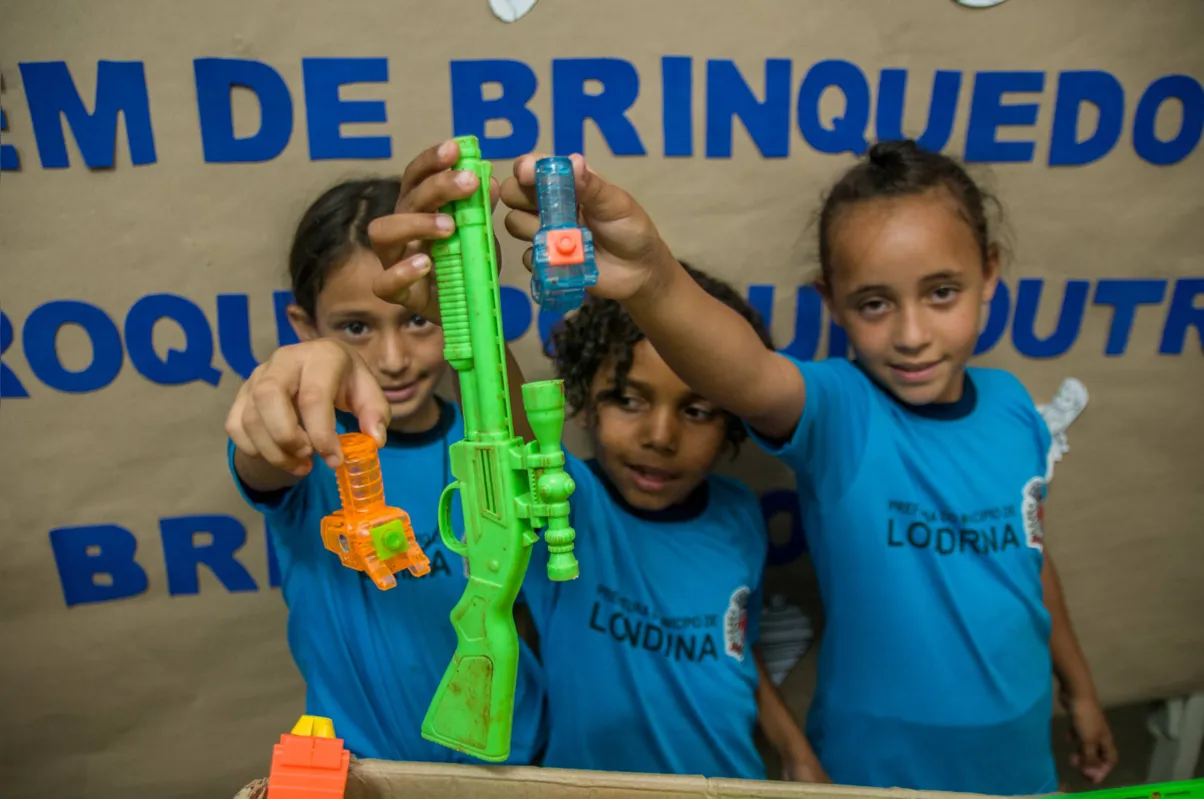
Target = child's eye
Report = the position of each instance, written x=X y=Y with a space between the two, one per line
x=627 y=402
x=873 y=307
x=700 y=413
x=419 y=321
x=354 y=329
x=945 y=293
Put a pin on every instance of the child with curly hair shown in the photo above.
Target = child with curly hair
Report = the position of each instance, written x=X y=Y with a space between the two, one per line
x=649 y=658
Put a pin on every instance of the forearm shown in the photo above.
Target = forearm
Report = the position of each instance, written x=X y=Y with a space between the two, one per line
x=1069 y=663
x=260 y=475
x=776 y=719
x=716 y=351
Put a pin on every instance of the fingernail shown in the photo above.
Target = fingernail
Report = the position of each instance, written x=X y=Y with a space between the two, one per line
x=466 y=179
x=381 y=435
x=421 y=263
x=333 y=461
x=444 y=222
x=445 y=149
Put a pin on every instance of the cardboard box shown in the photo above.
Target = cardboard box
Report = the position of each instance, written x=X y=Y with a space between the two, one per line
x=381 y=779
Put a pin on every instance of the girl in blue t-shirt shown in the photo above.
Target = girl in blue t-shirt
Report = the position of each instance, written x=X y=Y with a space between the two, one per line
x=921 y=479
x=371 y=659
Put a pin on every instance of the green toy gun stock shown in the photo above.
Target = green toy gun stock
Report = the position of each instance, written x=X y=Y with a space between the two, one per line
x=508 y=488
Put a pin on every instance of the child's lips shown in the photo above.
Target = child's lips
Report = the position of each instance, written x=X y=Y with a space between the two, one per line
x=914 y=372
x=402 y=393
x=649 y=479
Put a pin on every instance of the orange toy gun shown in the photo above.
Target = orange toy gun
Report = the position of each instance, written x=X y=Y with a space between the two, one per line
x=367 y=534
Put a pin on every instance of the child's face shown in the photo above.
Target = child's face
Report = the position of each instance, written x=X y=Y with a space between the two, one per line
x=404 y=352
x=909 y=286
x=657 y=440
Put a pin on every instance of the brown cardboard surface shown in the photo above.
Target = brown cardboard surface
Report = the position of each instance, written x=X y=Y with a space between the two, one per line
x=183 y=694
x=378 y=779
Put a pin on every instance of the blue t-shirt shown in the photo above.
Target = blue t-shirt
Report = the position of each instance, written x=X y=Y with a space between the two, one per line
x=647 y=654
x=924 y=525
x=372 y=659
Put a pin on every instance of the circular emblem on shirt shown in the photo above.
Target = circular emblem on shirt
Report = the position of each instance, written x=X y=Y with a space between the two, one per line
x=735 y=623
x=1032 y=511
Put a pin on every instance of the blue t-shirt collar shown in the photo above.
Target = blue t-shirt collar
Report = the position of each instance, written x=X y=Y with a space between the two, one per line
x=940 y=411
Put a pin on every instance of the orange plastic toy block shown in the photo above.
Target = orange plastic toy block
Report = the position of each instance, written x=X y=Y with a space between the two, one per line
x=309 y=763
x=565 y=247
x=365 y=533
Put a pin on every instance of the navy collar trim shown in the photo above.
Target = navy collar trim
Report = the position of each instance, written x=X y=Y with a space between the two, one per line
x=688 y=509
x=447 y=418
x=940 y=411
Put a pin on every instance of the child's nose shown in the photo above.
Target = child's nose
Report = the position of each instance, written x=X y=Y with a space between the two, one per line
x=911 y=329
x=394 y=356
x=661 y=431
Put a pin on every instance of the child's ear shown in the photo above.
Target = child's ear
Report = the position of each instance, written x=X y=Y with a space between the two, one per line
x=303 y=326
x=825 y=294
x=991 y=273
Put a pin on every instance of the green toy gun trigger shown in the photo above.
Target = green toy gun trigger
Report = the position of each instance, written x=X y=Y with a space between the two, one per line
x=508 y=488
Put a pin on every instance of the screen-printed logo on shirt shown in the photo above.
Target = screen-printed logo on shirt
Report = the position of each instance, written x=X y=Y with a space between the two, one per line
x=735 y=623
x=1032 y=511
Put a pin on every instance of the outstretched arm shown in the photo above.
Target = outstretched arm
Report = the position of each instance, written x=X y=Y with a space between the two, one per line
x=708 y=345
x=716 y=352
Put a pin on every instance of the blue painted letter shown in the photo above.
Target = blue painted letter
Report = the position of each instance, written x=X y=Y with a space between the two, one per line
x=120 y=87
x=1070 y=319
x=326 y=112
x=103 y=551
x=942 y=108
x=677 y=100
x=194 y=362
x=216 y=78
x=40 y=336
x=1124 y=295
x=1190 y=94
x=729 y=97
x=572 y=104
x=988 y=114
x=1107 y=95
x=847 y=133
x=1182 y=315
x=183 y=556
x=471 y=111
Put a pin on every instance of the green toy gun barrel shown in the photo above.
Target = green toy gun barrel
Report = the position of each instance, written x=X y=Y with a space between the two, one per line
x=508 y=488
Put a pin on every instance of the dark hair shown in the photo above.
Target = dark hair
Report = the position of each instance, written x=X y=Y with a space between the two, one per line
x=602 y=329
x=333 y=227
x=900 y=168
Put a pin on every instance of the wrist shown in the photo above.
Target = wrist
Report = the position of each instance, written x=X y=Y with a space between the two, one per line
x=661 y=270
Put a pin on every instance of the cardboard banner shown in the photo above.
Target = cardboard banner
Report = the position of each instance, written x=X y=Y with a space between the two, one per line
x=154 y=162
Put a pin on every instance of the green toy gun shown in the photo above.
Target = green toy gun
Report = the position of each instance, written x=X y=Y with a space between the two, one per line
x=508 y=488
x=1188 y=789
